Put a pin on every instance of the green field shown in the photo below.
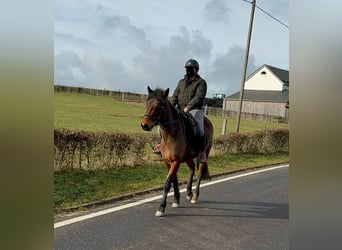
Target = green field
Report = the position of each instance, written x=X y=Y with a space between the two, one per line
x=94 y=113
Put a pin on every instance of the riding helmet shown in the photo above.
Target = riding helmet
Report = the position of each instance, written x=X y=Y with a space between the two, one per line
x=192 y=63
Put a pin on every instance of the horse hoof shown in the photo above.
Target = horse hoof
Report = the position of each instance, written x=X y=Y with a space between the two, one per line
x=175 y=204
x=159 y=214
x=193 y=201
x=194 y=198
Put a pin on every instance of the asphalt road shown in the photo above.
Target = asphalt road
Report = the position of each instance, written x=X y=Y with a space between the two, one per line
x=244 y=212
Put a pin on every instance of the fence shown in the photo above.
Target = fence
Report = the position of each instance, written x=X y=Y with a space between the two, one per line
x=141 y=98
x=117 y=95
x=245 y=116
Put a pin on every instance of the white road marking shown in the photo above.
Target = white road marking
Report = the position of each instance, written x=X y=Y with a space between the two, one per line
x=140 y=202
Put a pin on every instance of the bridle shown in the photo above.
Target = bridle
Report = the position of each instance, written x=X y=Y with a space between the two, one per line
x=158 y=120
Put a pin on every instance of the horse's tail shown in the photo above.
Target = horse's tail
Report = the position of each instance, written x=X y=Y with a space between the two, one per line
x=205 y=173
x=209 y=131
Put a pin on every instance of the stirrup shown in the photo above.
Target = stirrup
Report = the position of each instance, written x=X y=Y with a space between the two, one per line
x=202 y=158
x=156 y=149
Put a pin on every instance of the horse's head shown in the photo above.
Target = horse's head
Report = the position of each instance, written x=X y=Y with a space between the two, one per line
x=155 y=108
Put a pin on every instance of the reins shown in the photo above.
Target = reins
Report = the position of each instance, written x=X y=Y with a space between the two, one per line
x=158 y=121
x=182 y=120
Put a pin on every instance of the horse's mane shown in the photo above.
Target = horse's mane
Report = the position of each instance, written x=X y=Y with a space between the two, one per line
x=159 y=94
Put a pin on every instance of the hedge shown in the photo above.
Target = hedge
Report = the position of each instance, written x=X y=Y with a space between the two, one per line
x=103 y=150
x=259 y=142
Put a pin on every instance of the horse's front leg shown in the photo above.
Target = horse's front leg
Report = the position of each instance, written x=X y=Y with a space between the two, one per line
x=191 y=166
x=175 y=191
x=166 y=188
x=167 y=185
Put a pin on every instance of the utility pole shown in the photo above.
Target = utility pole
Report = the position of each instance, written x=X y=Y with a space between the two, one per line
x=245 y=66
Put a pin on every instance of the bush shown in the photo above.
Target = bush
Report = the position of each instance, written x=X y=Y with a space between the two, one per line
x=105 y=150
x=99 y=150
x=266 y=141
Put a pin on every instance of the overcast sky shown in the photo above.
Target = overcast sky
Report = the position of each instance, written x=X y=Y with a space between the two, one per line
x=127 y=45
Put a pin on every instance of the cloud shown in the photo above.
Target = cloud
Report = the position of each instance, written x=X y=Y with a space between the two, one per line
x=113 y=52
x=114 y=24
x=280 y=10
x=66 y=66
x=226 y=72
x=216 y=11
x=161 y=67
x=157 y=67
x=92 y=70
x=165 y=66
x=201 y=46
x=188 y=44
x=73 y=40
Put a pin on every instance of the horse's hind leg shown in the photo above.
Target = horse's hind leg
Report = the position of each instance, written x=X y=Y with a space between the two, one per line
x=176 y=191
x=201 y=172
x=191 y=166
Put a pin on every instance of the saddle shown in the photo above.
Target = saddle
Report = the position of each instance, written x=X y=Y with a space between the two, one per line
x=192 y=132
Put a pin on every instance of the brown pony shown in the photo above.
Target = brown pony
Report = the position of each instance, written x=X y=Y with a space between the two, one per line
x=174 y=147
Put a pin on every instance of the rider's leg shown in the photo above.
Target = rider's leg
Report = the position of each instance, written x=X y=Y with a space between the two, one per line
x=156 y=148
x=198 y=114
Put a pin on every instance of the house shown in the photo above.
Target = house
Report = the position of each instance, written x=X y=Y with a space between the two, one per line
x=266 y=95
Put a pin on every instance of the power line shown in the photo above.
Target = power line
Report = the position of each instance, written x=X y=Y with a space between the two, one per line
x=272 y=17
x=265 y=12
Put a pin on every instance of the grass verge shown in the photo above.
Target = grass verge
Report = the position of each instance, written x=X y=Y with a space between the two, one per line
x=74 y=187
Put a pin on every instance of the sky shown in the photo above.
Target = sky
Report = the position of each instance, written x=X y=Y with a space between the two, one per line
x=127 y=45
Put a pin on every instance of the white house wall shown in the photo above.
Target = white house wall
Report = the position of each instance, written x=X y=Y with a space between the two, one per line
x=264 y=79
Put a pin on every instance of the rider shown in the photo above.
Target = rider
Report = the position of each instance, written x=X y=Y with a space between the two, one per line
x=190 y=96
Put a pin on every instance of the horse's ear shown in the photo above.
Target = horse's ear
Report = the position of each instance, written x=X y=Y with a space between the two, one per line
x=166 y=92
x=149 y=89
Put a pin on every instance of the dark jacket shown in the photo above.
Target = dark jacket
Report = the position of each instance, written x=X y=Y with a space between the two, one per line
x=190 y=93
